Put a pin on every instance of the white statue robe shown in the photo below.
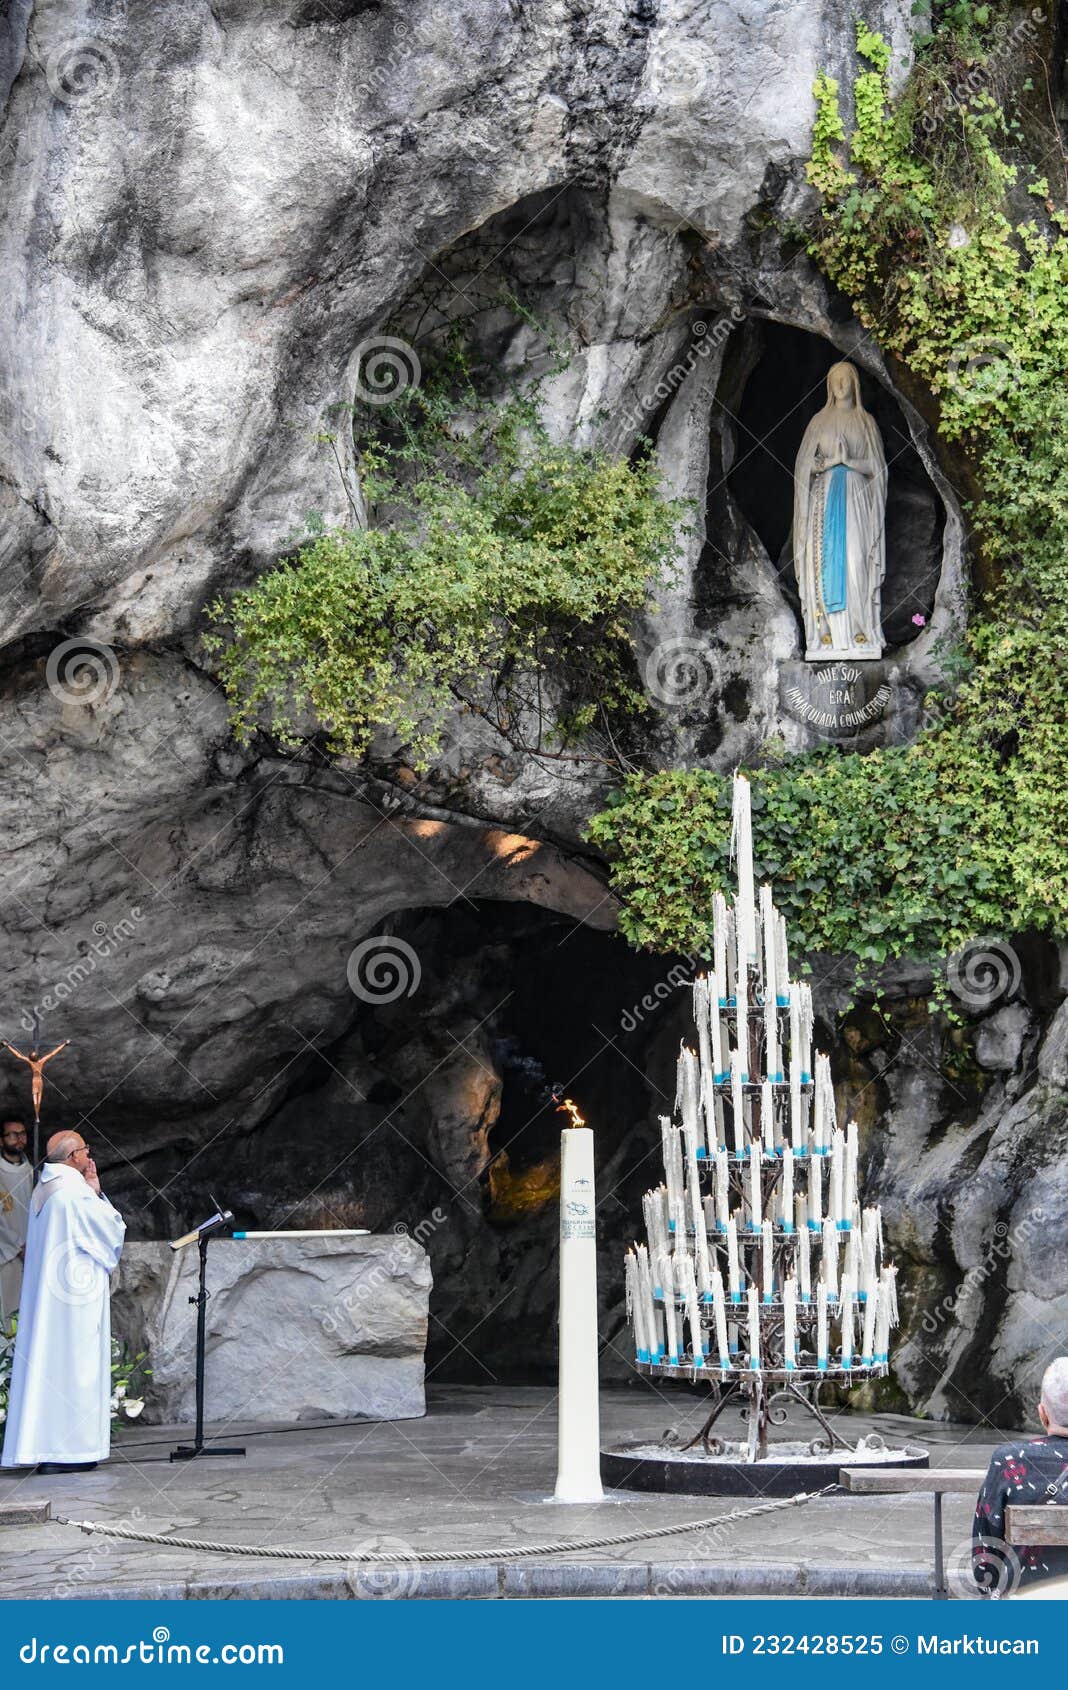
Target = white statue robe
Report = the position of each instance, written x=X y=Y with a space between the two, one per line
x=16 y=1184
x=60 y=1403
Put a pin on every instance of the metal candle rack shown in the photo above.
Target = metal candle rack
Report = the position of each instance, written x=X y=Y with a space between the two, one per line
x=761 y=1273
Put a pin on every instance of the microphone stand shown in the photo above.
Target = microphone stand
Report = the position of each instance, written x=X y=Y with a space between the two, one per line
x=202 y=1235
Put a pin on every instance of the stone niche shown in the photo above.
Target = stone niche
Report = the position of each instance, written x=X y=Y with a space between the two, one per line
x=297 y=1329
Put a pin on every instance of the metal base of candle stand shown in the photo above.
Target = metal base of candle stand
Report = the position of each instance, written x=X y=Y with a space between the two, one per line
x=715 y=1466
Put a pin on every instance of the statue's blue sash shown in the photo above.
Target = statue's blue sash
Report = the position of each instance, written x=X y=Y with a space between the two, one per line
x=834 y=541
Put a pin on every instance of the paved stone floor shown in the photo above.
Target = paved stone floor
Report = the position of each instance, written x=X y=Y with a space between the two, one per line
x=473 y=1475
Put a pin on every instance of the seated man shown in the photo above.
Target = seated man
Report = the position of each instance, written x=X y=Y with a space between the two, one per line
x=1028 y=1470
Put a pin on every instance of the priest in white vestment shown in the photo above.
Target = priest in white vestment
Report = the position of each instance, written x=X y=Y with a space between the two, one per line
x=59 y=1412
x=16 y=1184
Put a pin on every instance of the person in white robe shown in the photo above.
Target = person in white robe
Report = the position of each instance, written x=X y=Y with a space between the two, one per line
x=16 y=1184
x=59 y=1410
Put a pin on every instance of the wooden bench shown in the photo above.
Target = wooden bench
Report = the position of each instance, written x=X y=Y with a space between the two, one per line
x=1042 y=1523
x=902 y=1481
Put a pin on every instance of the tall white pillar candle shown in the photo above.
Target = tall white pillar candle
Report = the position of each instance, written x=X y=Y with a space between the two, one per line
x=720 y=944
x=742 y=842
x=719 y=1314
x=789 y=1325
x=815 y=1193
x=717 y=984
x=767 y=1259
x=741 y=1000
x=737 y=1104
x=795 y=1066
x=836 y=1194
x=829 y=1259
x=846 y=1301
x=867 y=1342
x=782 y=960
x=804 y=1260
x=821 y=1327
x=722 y=1191
x=578 y=1471
x=787 y=1204
x=767 y=1116
x=756 y=1215
x=754 y=1329
x=734 y=1279
x=773 y=1065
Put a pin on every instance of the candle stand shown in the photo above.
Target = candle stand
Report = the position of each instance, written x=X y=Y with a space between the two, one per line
x=761 y=1272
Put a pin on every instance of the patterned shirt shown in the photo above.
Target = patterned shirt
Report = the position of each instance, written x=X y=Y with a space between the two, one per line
x=1035 y=1471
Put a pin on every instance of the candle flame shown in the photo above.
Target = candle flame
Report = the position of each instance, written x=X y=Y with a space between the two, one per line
x=566 y=1107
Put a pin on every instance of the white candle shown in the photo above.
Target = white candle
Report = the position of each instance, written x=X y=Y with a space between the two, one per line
x=868 y=1251
x=755 y=1210
x=767 y=1117
x=578 y=1470
x=635 y=1308
x=829 y=1260
x=687 y=1285
x=819 y=1106
x=795 y=1065
x=782 y=960
x=851 y=1169
x=754 y=1330
x=787 y=1206
x=771 y=1010
x=719 y=1313
x=803 y=1249
x=741 y=999
x=821 y=1327
x=656 y=1348
x=654 y=1206
x=700 y=1237
x=804 y=993
x=666 y=1277
x=815 y=1193
x=720 y=944
x=852 y=1256
x=733 y=1276
x=836 y=1194
x=847 y=1322
x=742 y=846
x=717 y=985
x=671 y=1142
x=886 y=1316
x=867 y=1343
x=722 y=1191
x=789 y=1324
x=767 y=1273
x=737 y=1104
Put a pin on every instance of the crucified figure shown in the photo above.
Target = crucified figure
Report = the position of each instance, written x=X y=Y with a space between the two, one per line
x=35 y=1064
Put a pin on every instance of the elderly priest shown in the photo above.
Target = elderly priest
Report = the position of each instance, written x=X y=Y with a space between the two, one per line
x=59 y=1413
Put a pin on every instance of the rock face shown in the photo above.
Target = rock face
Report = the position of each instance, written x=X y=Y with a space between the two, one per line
x=212 y=209
x=298 y=1329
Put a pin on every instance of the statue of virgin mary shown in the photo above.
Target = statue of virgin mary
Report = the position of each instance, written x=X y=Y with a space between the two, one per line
x=839 y=525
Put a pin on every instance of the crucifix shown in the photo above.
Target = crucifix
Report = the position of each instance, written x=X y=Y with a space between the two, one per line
x=35 y=1062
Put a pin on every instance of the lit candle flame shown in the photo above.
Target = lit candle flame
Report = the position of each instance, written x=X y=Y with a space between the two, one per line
x=566 y=1107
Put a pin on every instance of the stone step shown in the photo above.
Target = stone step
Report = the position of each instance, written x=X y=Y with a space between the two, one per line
x=33 y=1513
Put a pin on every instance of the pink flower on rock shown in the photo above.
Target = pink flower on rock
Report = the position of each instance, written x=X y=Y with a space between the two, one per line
x=920 y=619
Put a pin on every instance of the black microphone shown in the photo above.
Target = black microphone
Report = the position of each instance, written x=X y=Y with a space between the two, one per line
x=222 y=1217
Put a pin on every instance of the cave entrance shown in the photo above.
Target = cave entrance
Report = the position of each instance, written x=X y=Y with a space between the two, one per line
x=434 y=1112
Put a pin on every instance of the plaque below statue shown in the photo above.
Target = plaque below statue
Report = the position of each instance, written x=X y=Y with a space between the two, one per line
x=839 y=531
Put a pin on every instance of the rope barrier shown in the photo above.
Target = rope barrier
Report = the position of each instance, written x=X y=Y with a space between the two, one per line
x=434 y=1556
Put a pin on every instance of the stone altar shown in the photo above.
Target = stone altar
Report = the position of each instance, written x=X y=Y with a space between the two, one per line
x=298 y=1329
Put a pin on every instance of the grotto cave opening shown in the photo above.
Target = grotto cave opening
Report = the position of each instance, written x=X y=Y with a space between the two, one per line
x=774 y=382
